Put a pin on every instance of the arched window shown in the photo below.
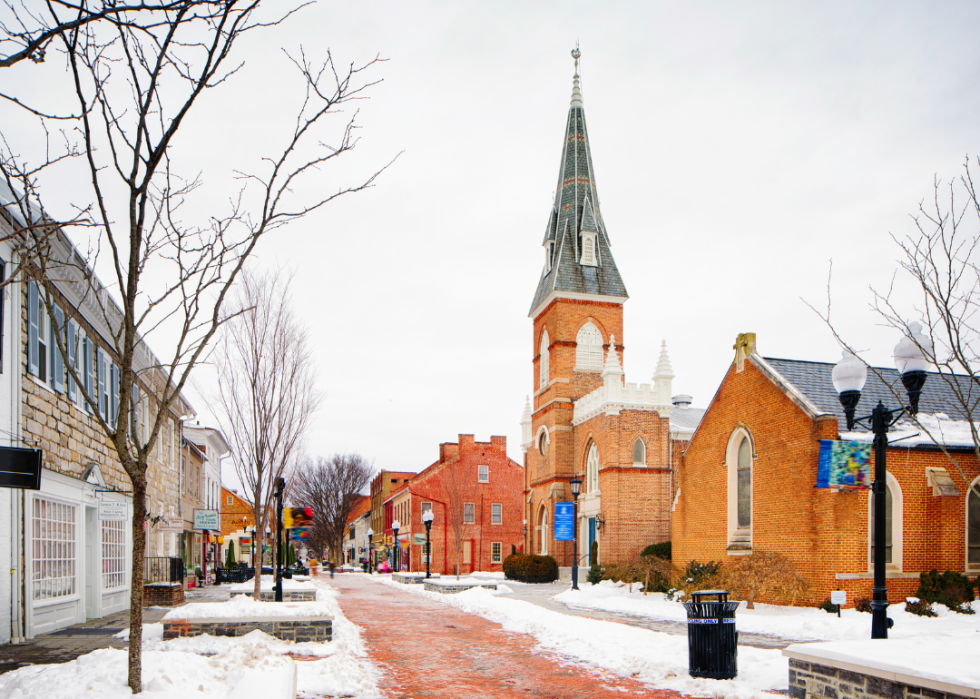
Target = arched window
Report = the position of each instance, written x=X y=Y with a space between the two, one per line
x=588 y=250
x=639 y=453
x=543 y=530
x=588 y=351
x=592 y=470
x=893 y=525
x=973 y=527
x=738 y=459
x=544 y=370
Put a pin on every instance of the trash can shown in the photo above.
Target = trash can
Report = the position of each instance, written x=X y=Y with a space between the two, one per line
x=711 y=635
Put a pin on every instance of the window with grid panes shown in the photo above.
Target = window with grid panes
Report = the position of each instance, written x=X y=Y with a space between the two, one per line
x=483 y=473
x=495 y=552
x=113 y=554
x=469 y=513
x=496 y=513
x=53 y=567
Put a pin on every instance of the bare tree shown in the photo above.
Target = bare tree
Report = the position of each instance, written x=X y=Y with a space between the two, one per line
x=939 y=259
x=135 y=79
x=330 y=487
x=266 y=389
x=455 y=488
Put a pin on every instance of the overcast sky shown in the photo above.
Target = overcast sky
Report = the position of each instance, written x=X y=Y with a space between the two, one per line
x=739 y=147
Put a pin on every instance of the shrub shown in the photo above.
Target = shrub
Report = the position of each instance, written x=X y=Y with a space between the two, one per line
x=230 y=557
x=532 y=569
x=699 y=576
x=863 y=605
x=654 y=573
x=919 y=607
x=595 y=571
x=950 y=588
x=661 y=550
x=828 y=606
x=763 y=573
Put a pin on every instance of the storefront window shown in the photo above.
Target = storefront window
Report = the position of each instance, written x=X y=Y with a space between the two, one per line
x=53 y=528
x=113 y=555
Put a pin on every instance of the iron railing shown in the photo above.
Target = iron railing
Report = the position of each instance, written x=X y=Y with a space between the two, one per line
x=162 y=569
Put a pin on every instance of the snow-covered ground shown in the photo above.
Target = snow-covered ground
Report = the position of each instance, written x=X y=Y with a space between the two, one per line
x=248 y=667
x=662 y=659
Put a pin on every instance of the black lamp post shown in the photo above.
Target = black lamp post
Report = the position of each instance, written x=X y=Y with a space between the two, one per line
x=849 y=376
x=252 y=560
x=427 y=518
x=576 y=485
x=280 y=485
x=395 y=550
x=370 y=551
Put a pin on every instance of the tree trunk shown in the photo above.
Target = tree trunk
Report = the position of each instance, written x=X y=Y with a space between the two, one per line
x=136 y=585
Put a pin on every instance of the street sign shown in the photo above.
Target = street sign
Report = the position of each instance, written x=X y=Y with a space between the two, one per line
x=838 y=597
x=113 y=510
x=564 y=521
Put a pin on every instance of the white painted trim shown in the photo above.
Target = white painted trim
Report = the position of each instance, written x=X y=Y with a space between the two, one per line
x=898 y=517
x=731 y=467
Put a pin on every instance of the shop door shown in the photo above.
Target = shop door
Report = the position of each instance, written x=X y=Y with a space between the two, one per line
x=591 y=539
x=467 y=564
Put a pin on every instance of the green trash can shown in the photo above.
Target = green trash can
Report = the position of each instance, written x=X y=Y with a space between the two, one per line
x=711 y=636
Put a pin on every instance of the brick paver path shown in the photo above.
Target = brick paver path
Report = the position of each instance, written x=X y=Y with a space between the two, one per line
x=429 y=649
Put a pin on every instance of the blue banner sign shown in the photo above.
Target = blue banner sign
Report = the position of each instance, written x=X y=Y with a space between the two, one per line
x=564 y=521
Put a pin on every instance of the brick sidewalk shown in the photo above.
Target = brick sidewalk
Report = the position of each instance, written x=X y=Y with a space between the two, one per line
x=428 y=649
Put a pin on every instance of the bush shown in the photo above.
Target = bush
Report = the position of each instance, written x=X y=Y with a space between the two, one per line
x=230 y=557
x=532 y=569
x=699 y=576
x=765 y=574
x=863 y=605
x=595 y=571
x=919 y=607
x=661 y=550
x=950 y=588
x=828 y=606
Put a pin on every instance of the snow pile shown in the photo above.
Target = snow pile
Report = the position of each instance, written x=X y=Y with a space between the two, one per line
x=244 y=607
x=797 y=623
x=254 y=666
x=268 y=582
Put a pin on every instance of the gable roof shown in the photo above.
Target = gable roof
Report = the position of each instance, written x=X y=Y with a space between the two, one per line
x=813 y=380
x=362 y=504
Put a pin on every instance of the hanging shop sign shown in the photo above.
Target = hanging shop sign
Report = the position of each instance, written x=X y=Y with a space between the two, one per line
x=564 y=521
x=299 y=534
x=113 y=510
x=844 y=465
x=419 y=539
x=170 y=525
x=20 y=468
x=206 y=519
x=245 y=541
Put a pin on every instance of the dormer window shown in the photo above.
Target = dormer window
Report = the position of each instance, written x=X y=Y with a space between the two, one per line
x=549 y=254
x=588 y=250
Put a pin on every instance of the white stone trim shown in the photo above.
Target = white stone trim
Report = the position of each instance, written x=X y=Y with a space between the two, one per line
x=575 y=296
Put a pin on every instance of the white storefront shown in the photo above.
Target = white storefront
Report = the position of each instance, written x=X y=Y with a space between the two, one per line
x=77 y=564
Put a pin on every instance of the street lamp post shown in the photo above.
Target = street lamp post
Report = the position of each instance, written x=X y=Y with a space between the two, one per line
x=576 y=485
x=370 y=551
x=849 y=376
x=427 y=518
x=280 y=486
x=395 y=550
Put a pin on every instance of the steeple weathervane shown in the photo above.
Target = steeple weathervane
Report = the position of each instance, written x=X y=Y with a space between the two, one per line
x=576 y=88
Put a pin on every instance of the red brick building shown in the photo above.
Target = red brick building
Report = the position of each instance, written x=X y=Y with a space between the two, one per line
x=491 y=485
x=621 y=438
x=747 y=481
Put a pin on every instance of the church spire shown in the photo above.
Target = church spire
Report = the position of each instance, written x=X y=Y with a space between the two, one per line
x=578 y=259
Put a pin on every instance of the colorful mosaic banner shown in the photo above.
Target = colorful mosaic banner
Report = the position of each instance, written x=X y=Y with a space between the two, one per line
x=844 y=465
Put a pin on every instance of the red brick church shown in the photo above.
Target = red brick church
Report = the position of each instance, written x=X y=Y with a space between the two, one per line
x=622 y=439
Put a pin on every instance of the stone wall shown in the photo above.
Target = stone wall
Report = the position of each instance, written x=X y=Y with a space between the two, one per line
x=163 y=595
x=809 y=680
x=304 y=630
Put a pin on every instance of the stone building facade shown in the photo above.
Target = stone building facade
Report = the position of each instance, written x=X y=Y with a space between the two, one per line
x=585 y=420
x=72 y=543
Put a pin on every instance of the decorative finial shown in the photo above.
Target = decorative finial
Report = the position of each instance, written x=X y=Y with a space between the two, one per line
x=612 y=365
x=576 y=89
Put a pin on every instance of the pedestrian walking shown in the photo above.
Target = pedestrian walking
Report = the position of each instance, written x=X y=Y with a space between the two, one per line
x=330 y=563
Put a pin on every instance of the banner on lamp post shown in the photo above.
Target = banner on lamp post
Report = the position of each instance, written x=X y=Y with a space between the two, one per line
x=564 y=521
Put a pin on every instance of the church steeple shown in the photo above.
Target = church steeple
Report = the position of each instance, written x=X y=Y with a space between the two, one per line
x=578 y=260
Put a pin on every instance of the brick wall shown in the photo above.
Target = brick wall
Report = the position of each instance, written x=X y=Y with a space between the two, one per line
x=506 y=481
